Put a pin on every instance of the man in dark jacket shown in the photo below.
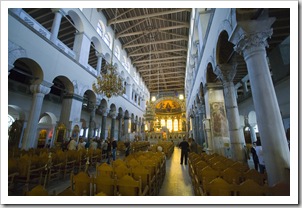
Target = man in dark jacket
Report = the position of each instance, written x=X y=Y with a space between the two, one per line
x=184 y=146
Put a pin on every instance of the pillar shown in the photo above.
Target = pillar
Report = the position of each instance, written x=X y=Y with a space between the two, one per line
x=99 y=63
x=120 y=130
x=81 y=47
x=91 y=120
x=104 y=119
x=55 y=25
x=113 y=119
x=126 y=125
x=201 y=113
x=30 y=134
x=250 y=40
x=226 y=73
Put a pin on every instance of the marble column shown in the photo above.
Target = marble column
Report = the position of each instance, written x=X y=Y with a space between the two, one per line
x=30 y=134
x=250 y=40
x=55 y=25
x=226 y=73
x=113 y=119
x=91 y=120
x=244 y=86
x=120 y=130
x=99 y=63
x=104 y=119
x=201 y=113
x=126 y=126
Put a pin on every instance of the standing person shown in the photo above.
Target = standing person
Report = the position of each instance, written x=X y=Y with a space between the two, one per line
x=193 y=146
x=127 y=145
x=259 y=153
x=72 y=145
x=81 y=145
x=254 y=155
x=184 y=145
x=108 y=151
x=104 y=148
x=93 y=145
x=114 y=147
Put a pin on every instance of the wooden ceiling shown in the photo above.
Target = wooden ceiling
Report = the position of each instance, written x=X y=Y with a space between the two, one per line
x=156 y=40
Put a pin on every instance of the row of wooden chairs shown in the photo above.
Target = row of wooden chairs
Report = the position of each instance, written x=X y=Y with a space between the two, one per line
x=166 y=147
x=220 y=187
x=31 y=169
x=235 y=176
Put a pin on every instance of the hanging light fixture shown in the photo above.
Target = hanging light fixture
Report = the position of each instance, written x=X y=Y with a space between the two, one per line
x=109 y=83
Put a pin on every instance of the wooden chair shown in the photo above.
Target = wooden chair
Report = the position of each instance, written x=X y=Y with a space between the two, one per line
x=231 y=176
x=145 y=176
x=117 y=162
x=80 y=184
x=12 y=173
x=280 y=189
x=133 y=163
x=205 y=176
x=255 y=176
x=251 y=188
x=121 y=171
x=29 y=174
x=101 y=194
x=219 y=166
x=104 y=170
x=240 y=167
x=105 y=184
x=153 y=168
x=219 y=187
x=37 y=191
x=127 y=186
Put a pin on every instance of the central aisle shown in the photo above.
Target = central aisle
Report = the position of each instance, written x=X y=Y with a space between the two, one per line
x=177 y=181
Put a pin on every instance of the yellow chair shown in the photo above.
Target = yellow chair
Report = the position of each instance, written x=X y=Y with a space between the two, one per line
x=240 y=167
x=205 y=176
x=147 y=181
x=104 y=170
x=117 y=162
x=101 y=194
x=81 y=183
x=105 y=184
x=219 y=166
x=251 y=188
x=280 y=189
x=37 y=191
x=121 y=171
x=231 y=176
x=255 y=176
x=133 y=163
x=127 y=186
x=219 y=187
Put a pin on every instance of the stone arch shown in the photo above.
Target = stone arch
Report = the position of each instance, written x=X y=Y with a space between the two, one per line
x=224 y=48
x=77 y=21
x=211 y=77
x=48 y=118
x=16 y=112
x=26 y=71
x=97 y=44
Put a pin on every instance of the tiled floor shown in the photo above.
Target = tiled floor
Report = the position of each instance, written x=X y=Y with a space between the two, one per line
x=177 y=181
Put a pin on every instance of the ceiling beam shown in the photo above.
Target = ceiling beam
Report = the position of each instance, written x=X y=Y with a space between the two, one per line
x=173 y=77
x=171 y=20
x=157 y=52
x=168 y=67
x=125 y=12
x=161 y=59
x=146 y=32
x=177 y=75
x=168 y=89
x=113 y=21
x=155 y=42
x=168 y=82
x=128 y=28
x=163 y=62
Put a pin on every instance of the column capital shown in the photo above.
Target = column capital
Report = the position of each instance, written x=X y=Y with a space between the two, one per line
x=43 y=88
x=105 y=112
x=252 y=34
x=113 y=115
x=226 y=72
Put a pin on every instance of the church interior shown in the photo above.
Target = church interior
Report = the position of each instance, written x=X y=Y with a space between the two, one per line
x=149 y=102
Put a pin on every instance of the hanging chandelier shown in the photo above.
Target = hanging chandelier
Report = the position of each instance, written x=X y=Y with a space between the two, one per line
x=109 y=83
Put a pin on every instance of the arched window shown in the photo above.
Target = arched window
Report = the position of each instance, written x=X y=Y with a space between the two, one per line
x=99 y=29
x=11 y=120
x=117 y=52
x=107 y=40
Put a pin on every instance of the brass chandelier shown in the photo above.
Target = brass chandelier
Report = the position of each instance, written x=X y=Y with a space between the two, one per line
x=109 y=83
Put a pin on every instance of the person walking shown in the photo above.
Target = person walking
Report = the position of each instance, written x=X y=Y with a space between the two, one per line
x=184 y=146
x=114 y=147
x=109 y=148
x=259 y=153
x=254 y=155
